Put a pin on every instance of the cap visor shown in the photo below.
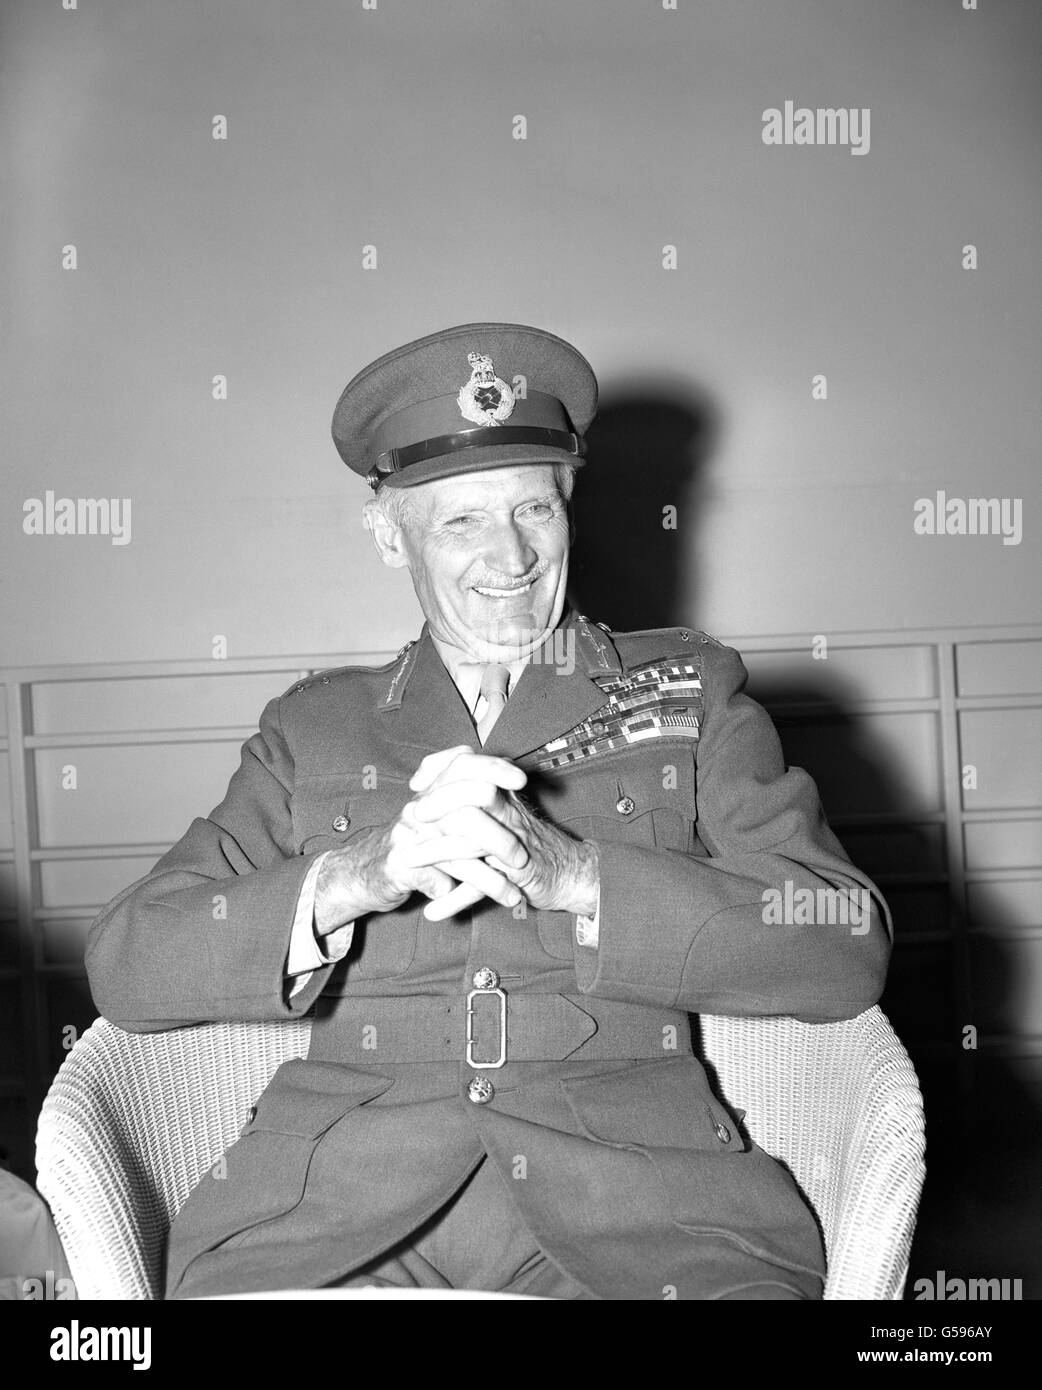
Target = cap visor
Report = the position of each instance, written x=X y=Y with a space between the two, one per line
x=478 y=460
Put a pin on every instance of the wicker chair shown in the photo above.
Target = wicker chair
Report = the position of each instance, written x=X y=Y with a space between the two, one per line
x=132 y=1121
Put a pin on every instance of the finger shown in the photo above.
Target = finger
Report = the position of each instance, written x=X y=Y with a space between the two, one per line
x=465 y=764
x=480 y=880
x=507 y=870
x=490 y=834
x=501 y=771
x=449 y=796
x=442 y=848
x=458 y=900
x=480 y=876
x=434 y=883
x=434 y=764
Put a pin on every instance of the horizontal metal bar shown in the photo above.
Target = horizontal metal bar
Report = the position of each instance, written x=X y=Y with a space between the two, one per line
x=922 y=879
x=56 y=853
x=977 y=931
x=873 y=820
x=124 y=738
x=80 y=913
x=885 y=637
x=1019 y=873
x=996 y=1045
x=997 y=702
x=1011 y=1045
x=290 y=666
x=813 y=709
x=921 y=938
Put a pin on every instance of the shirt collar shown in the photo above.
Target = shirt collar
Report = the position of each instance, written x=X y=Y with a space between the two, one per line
x=466 y=674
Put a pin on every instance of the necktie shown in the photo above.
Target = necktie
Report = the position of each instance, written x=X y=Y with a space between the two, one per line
x=494 y=681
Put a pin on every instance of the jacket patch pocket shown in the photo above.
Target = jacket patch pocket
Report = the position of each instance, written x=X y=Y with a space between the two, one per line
x=654 y=1105
x=329 y=810
x=263 y=1174
x=643 y=796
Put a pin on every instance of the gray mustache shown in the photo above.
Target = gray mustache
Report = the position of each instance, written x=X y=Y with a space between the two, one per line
x=510 y=583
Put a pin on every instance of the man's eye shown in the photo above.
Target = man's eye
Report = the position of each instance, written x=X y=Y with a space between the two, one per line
x=461 y=520
x=539 y=510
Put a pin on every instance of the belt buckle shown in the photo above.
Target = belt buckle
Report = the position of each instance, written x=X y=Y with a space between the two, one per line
x=501 y=1059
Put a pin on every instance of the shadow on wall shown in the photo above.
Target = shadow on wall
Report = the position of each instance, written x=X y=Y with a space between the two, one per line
x=981 y=1206
x=648 y=450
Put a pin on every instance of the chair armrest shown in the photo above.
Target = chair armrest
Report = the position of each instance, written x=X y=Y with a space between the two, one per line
x=839 y=1105
x=130 y=1124
x=106 y=1209
x=883 y=1167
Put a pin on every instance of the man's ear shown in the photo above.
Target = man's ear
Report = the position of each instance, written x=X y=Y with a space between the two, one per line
x=387 y=537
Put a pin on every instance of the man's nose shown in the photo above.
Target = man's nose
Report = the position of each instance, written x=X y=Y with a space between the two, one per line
x=510 y=552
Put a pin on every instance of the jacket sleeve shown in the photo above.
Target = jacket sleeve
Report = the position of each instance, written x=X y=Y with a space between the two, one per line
x=703 y=933
x=205 y=935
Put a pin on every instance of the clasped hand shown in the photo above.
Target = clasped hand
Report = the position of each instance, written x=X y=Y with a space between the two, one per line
x=464 y=836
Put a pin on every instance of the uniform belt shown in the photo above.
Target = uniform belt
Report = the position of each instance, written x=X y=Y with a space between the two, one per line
x=470 y=1028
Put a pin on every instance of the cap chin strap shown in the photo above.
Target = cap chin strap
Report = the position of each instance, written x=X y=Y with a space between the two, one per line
x=395 y=460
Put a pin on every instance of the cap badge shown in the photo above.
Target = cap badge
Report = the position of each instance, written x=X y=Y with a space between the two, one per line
x=485 y=399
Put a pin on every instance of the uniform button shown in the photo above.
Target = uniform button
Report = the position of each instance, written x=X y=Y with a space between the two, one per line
x=485 y=978
x=480 y=1090
x=299 y=689
x=625 y=805
x=325 y=680
x=722 y=1133
x=251 y=1114
x=341 y=823
x=685 y=636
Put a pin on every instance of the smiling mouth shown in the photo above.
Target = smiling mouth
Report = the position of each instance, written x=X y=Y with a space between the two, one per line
x=504 y=593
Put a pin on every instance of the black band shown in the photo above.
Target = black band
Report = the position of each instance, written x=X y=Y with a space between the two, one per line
x=394 y=460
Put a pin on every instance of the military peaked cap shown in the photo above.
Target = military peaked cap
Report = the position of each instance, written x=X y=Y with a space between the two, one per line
x=481 y=395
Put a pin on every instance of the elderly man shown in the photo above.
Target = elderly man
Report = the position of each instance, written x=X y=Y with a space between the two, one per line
x=500 y=874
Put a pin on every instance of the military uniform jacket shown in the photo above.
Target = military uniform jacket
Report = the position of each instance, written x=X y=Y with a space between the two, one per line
x=621 y=1161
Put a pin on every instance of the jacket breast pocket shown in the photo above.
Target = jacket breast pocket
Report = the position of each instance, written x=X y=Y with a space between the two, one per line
x=262 y=1176
x=329 y=811
x=643 y=795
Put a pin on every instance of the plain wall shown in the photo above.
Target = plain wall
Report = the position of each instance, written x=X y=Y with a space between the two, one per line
x=393 y=127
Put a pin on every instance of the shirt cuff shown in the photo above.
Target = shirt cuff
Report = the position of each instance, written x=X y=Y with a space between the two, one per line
x=307 y=952
x=588 y=929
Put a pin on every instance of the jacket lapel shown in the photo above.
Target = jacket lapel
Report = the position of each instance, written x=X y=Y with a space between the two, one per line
x=555 y=691
x=424 y=709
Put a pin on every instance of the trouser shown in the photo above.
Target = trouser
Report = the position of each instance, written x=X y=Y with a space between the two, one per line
x=477 y=1241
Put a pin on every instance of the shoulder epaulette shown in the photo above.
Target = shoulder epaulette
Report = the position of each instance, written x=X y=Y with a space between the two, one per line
x=326 y=677
x=678 y=634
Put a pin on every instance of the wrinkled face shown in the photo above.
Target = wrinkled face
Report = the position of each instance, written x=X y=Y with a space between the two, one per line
x=488 y=555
